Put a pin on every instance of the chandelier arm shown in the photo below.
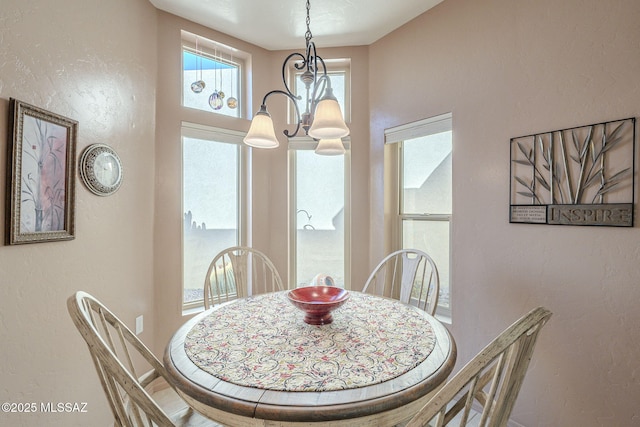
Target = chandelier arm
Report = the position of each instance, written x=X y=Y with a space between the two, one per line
x=322 y=85
x=321 y=82
x=312 y=59
x=292 y=98
x=297 y=67
x=318 y=58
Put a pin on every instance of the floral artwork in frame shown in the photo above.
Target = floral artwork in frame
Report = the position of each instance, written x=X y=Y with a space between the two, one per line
x=41 y=193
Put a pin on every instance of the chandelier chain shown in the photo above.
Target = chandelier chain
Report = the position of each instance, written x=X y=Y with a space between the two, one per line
x=308 y=35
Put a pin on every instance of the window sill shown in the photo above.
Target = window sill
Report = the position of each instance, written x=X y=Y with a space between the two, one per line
x=191 y=311
x=444 y=318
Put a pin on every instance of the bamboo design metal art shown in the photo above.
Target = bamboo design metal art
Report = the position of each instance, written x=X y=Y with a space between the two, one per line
x=577 y=176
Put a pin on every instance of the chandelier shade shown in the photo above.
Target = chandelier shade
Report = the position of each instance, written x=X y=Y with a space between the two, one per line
x=330 y=147
x=261 y=133
x=321 y=118
x=327 y=121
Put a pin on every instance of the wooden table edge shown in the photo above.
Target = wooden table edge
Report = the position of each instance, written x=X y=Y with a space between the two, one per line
x=260 y=408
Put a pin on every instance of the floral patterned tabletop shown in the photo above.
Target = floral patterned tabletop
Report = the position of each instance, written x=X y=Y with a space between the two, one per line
x=262 y=342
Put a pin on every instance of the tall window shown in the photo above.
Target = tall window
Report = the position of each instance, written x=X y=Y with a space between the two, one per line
x=211 y=201
x=211 y=76
x=319 y=197
x=319 y=235
x=424 y=193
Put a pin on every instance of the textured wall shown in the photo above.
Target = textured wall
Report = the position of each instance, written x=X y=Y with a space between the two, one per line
x=95 y=62
x=505 y=69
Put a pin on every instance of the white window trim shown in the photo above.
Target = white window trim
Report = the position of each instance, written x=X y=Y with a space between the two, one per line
x=424 y=127
x=393 y=138
x=211 y=133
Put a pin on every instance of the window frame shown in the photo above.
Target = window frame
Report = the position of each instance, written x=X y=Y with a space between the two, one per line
x=393 y=172
x=220 y=135
x=208 y=48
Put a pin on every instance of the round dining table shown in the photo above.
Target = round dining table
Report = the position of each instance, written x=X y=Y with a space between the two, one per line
x=255 y=362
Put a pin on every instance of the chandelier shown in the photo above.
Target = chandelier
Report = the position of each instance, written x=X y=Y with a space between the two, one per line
x=321 y=120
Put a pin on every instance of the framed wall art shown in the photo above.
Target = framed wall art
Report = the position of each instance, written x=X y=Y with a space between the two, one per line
x=40 y=175
x=578 y=176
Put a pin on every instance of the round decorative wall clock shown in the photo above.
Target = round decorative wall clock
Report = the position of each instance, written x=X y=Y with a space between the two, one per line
x=101 y=169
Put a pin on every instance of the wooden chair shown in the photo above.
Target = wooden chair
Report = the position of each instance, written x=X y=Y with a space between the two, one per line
x=238 y=272
x=492 y=378
x=409 y=275
x=115 y=350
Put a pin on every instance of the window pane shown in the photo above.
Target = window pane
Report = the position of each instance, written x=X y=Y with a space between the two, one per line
x=210 y=203
x=425 y=199
x=431 y=237
x=320 y=217
x=220 y=75
x=339 y=91
x=426 y=174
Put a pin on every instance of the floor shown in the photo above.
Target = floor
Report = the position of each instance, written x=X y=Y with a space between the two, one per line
x=178 y=410
x=473 y=421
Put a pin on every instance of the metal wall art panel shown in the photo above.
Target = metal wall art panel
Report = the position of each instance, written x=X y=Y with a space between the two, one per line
x=578 y=176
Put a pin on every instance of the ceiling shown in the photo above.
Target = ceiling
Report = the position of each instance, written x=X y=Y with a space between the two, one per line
x=280 y=24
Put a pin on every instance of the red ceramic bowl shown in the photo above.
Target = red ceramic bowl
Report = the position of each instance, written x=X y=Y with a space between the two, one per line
x=318 y=302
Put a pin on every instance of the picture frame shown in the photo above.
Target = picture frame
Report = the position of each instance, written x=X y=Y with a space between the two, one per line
x=40 y=175
x=581 y=176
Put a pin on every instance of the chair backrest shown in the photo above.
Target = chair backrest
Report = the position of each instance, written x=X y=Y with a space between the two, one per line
x=409 y=275
x=492 y=378
x=238 y=272
x=115 y=350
